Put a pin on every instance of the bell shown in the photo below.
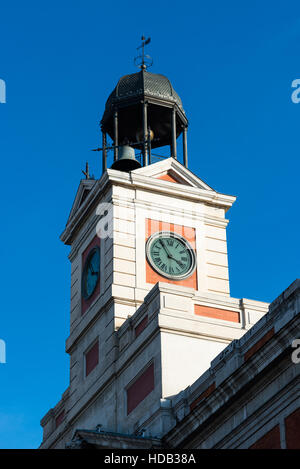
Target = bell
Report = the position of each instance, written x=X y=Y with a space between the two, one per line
x=140 y=135
x=126 y=161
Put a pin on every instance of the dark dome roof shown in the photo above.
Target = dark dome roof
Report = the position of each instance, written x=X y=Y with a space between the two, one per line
x=124 y=109
x=143 y=83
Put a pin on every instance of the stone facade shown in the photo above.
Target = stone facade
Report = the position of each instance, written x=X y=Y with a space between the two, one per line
x=156 y=338
x=160 y=354
x=249 y=398
x=250 y=395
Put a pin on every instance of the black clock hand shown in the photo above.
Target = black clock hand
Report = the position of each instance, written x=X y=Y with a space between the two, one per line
x=166 y=249
x=178 y=262
x=170 y=255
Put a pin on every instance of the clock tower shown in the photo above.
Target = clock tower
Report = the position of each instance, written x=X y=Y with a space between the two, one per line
x=150 y=299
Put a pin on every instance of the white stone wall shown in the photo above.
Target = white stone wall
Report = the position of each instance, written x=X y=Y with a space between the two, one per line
x=179 y=343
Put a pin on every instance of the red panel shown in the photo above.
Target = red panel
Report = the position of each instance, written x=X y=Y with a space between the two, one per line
x=85 y=304
x=172 y=178
x=217 y=313
x=152 y=226
x=259 y=344
x=92 y=358
x=292 y=430
x=142 y=386
x=202 y=396
x=270 y=440
x=141 y=326
x=59 y=418
x=168 y=177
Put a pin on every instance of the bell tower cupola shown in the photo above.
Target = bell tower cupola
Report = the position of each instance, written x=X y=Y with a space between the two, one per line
x=143 y=113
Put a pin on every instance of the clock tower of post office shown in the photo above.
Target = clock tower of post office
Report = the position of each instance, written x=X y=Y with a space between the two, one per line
x=150 y=299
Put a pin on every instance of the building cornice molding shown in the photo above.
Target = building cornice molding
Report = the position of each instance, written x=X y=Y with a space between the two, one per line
x=229 y=388
x=135 y=180
x=234 y=369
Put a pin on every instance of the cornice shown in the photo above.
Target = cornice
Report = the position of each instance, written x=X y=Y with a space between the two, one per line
x=137 y=181
x=150 y=184
x=173 y=211
x=240 y=379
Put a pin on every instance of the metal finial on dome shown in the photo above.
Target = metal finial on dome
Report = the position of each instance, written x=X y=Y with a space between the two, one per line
x=143 y=61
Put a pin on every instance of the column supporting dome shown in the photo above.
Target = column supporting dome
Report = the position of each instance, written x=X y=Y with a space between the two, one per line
x=145 y=112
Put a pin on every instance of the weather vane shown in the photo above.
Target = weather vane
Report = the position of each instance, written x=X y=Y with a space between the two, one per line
x=143 y=60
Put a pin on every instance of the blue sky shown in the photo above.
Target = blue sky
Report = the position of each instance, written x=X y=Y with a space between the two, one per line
x=231 y=62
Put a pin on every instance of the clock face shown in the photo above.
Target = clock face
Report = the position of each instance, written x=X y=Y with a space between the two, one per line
x=170 y=255
x=90 y=274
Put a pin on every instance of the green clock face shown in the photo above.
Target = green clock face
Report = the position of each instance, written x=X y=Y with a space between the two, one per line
x=90 y=275
x=170 y=255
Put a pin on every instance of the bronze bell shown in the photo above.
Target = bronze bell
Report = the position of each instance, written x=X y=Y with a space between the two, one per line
x=126 y=160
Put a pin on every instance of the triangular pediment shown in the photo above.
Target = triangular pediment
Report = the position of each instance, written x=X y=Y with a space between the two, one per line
x=83 y=191
x=171 y=171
